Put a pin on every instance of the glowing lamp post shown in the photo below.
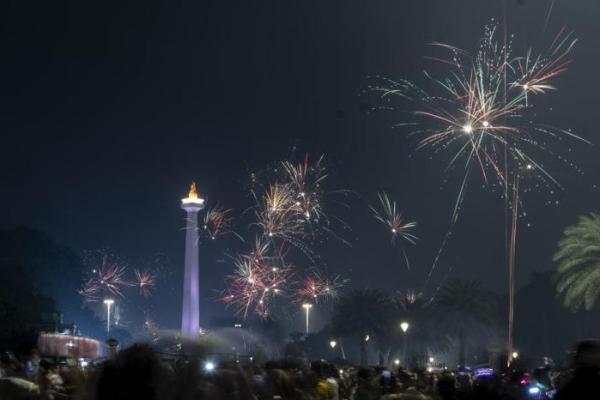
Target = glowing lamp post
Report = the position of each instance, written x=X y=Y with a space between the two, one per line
x=404 y=325
x=190 y=314
x=108 y=303
x=332 y=344
x=307 y=307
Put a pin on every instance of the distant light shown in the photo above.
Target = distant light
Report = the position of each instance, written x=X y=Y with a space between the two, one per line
x=525 y=87
x=515 y=354
x=429 y=369
x=332 y=344
x=188 y=200
x=534 y=390
x=404 y=326
x=109 y=301
x=237 y=325
x=307 y=306
x=483 y=372
x=529 y=166
x=431 y=359
x=397 y=361
x=467 y=128
x=367 y=338
x=209 y=366
x=486 y=124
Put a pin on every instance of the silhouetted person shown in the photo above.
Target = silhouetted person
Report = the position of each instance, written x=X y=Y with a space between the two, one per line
x=135 y=373
x=585 y=383
x=446 y=387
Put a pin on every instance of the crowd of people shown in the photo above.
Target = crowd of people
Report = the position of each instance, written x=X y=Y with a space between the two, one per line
x=138 y=372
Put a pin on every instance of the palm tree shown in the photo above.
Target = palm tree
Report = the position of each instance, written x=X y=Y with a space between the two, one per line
x=464 y=308
x=578 y=259
x=361 y=313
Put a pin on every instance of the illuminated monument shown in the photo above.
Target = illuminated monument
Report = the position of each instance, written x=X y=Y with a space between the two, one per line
x=190 y=314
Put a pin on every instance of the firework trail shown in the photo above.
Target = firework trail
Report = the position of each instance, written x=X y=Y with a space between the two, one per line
x=548 y=14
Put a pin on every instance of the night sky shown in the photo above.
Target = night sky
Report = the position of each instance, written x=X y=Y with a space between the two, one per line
x=109 y=109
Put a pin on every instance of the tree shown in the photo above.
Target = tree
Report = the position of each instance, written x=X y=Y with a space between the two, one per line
x=464 y=309
x=23 y=311
x=578 y=259
x=361 y=313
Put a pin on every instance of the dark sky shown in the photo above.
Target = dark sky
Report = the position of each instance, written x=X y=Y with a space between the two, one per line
x=109 y=109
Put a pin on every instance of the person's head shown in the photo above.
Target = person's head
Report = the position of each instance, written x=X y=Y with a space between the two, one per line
x=132 y=373
x=446 y=386
x=319 y=368
x=364 y=373
x=587 y=355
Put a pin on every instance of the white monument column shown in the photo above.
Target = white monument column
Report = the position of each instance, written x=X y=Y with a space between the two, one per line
x=190 y=314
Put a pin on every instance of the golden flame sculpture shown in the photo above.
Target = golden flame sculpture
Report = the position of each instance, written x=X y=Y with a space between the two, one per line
x=193 y=193
x=193 y=197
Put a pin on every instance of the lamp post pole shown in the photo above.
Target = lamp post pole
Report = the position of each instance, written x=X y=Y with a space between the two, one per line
x=307 y=307
x=404 y=325
x=108 y=303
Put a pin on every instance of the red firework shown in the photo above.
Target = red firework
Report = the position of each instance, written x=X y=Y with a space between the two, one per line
x=145 y=281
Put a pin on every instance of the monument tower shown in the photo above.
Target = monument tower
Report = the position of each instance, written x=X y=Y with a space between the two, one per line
x=190 y=314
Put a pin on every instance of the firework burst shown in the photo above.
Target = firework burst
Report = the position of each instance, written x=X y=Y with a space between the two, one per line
x=389 y=215
x=106 y=278
x=145 y=281
x=259 y=277
x=289 y=213
x=218 y=222
x=481 y=114
x=305 y=181
x=482 y=108
x=315 y=287
x=278 y=215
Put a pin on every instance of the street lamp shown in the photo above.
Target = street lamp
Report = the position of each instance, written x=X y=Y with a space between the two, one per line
x=332 y=344
x=108 y=303
x=404 y=325
x=515 y=355
x=307 y=307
